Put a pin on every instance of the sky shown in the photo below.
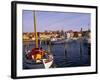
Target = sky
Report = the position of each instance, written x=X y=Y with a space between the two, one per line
x=55 y=21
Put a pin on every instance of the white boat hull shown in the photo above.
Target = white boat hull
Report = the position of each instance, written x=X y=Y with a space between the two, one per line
x=47 y=64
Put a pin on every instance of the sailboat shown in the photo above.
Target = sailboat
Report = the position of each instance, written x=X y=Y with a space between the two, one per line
x=39 y=55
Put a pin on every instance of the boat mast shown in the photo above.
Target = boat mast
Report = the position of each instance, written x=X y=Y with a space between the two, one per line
x=36 y=36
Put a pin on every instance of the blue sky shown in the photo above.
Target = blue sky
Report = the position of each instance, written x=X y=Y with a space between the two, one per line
x=55 y=21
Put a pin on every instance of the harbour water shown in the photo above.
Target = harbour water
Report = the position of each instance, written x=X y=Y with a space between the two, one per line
x=72 y=53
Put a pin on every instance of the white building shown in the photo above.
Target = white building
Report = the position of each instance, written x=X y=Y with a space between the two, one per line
x=70 y=34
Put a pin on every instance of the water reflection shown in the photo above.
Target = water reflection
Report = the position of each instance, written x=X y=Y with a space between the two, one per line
x=68 y=54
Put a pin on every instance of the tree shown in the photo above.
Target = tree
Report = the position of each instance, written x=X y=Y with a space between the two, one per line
x=75 y=34
x=62 y=33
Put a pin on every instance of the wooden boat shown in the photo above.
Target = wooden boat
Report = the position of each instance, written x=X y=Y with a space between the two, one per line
x=41 y=57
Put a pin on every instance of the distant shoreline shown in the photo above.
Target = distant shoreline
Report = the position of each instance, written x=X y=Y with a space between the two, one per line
x=28 y=40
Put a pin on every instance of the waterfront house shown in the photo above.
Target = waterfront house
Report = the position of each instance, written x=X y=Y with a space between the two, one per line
x=70 y=34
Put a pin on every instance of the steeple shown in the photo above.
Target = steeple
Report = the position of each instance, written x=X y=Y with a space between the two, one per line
x=81 y=30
